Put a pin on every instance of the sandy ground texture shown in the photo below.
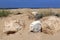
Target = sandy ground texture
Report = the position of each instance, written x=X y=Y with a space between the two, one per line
x=25 y=34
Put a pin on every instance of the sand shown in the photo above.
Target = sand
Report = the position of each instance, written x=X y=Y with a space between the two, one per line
x=25 y=34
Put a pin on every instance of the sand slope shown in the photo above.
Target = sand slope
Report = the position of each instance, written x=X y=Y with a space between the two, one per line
x=25 y=34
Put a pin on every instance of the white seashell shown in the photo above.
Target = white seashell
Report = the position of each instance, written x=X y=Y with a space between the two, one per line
x=35 y=26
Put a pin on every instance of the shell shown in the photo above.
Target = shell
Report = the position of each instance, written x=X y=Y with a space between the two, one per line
x=35 y=26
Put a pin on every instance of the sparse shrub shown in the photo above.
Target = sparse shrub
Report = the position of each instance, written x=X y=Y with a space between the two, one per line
x=4 y=13
x=45 y=13
x=38 y=16
x=49 y=13
x=58 y=14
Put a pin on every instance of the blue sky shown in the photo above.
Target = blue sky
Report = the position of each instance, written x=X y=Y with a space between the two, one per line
x=29 y=3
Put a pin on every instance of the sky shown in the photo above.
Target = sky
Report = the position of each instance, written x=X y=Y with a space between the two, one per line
x=29 y=3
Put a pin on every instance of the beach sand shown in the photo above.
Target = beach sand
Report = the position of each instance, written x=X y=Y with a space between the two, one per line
x=25 y=34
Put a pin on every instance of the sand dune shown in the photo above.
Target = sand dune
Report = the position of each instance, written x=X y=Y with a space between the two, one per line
x=24 y=34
